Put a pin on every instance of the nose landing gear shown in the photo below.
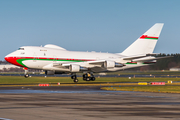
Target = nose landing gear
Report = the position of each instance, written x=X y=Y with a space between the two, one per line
x=26 y=75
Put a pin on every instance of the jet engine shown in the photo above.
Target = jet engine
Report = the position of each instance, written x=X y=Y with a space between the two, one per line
x=112 y=64
x=74 y=68
x=109 y=64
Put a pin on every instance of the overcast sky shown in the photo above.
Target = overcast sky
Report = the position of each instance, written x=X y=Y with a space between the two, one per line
x=87 y=25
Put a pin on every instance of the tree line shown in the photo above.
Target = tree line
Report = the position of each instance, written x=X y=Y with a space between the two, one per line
x=173 y=60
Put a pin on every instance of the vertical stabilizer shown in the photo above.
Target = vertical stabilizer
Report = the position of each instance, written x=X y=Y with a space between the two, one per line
x=146 y=43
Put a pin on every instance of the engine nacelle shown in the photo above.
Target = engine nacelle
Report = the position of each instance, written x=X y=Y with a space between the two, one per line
x=109 y=64
x=74 y=68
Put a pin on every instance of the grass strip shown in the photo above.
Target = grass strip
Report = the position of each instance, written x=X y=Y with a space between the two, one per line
x=160 y=89
x=67 y=80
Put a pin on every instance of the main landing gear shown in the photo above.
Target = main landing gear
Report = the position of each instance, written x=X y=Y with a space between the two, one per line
x=88 y=77
x=73 y=76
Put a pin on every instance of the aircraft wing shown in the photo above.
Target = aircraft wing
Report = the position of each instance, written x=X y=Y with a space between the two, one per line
x=98 y=62
x=88 y=63
x=77 y=63
x=100 y=65
x=95 y=66
x=149 y=58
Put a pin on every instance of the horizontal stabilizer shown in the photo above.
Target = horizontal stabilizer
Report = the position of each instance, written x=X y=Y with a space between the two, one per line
x=139 y=56
x=134 y=57
x=149 y=58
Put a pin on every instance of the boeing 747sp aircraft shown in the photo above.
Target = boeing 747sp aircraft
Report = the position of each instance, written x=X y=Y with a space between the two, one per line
x=57 y=60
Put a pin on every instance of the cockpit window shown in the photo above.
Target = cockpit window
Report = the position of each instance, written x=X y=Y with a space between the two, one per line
x=21 y=49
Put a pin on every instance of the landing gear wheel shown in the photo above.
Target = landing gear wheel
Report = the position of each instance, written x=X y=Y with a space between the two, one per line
x=84 y=77
x=75 y=80
x=26 y=76
x=73 y=77
x=87 y=79
x=93 y=78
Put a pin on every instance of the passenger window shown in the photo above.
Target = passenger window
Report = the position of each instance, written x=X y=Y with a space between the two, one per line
x=21 y=49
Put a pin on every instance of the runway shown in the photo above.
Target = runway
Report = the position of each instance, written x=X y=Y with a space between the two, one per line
x=85 y=103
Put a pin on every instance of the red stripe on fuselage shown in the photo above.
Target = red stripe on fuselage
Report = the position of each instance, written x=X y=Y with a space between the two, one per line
x=13 y=60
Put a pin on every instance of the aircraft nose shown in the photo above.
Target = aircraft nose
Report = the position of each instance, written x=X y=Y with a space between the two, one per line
x=13 y=60
x=8 y=59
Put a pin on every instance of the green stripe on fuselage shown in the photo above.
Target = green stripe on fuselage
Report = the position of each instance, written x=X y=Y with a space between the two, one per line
x=24 y=59
x=131 y=63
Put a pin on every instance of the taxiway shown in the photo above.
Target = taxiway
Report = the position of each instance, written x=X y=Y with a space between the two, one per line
x=85 y=103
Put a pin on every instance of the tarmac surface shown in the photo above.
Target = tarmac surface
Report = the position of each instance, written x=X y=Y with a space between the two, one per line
x=85 y=103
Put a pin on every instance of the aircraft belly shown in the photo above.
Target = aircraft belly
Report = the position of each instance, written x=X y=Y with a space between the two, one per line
x=97 y=69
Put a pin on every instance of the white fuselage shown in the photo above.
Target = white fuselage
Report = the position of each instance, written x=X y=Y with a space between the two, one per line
x=55 y=58
x=44 y=58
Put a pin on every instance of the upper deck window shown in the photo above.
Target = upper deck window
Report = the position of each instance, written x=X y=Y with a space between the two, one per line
x=21 y=49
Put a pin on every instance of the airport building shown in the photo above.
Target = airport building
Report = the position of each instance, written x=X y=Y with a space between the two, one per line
x=14 y=68
x=174 y=69
x=7 y=67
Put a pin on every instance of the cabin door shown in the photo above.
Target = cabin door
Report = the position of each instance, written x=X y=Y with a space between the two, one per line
x=55 y=59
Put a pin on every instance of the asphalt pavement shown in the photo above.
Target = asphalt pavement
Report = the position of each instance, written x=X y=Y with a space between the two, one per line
x=85 y=103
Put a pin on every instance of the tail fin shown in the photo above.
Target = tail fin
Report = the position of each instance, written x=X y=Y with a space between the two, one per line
x=146 y=43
